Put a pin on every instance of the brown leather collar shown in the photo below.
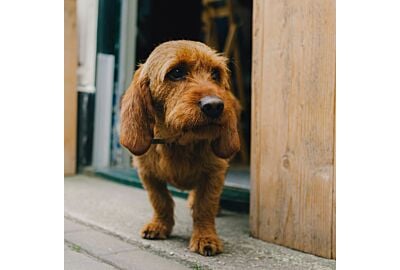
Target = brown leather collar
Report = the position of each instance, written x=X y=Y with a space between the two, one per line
x=158 y=141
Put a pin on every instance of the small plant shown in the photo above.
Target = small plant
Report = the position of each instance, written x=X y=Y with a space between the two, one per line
x=197 y=267
x=76 y=248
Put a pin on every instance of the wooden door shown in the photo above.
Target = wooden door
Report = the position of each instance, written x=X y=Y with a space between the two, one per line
x=293 y=124
x=70 y=91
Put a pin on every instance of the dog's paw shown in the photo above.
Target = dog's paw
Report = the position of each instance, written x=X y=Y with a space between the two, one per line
x=206 y=245
x=155 y=230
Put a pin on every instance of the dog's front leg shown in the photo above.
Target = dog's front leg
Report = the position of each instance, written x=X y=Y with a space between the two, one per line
x=205 y=204
x=162 y=222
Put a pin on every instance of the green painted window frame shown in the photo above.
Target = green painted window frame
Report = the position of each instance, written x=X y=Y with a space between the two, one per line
x=232 y=198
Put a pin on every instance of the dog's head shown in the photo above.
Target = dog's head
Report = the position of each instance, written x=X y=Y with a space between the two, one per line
x=182 y=89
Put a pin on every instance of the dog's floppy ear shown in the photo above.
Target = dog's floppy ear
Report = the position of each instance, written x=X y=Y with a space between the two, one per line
x=137 y=115
x=229 y=142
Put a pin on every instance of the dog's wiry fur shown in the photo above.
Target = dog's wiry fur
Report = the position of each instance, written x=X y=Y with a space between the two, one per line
x=194 y=156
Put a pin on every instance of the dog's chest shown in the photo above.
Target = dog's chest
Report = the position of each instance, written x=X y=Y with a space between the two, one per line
x=179 y=167
x=182 y=166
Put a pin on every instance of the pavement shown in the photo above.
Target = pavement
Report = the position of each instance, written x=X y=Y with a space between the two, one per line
x=102 y=220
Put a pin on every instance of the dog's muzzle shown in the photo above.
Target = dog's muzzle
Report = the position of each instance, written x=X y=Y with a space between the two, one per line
x=211 y=106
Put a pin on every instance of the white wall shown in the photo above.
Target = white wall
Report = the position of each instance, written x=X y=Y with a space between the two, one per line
x=87 y=13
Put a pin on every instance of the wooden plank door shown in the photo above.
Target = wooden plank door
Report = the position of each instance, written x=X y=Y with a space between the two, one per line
x=70 y=92
x=293 y=124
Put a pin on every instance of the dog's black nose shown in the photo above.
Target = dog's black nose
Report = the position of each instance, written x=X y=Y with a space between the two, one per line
x=211 y=106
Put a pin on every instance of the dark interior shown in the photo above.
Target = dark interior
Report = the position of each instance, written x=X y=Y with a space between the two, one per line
x=160 y=21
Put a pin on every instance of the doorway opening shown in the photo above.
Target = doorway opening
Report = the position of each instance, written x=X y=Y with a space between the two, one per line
x=225 y=25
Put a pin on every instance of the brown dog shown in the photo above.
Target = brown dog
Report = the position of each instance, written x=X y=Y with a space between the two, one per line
x=180 y=118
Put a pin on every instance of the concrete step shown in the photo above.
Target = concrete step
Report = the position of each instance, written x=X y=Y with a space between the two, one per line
x=104 y=218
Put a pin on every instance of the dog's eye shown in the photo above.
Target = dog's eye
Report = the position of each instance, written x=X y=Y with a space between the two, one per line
x=216 y=75
x=177 y=74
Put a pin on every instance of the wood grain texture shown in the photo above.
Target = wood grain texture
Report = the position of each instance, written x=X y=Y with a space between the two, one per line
x=70 y=92
x=293 y=124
